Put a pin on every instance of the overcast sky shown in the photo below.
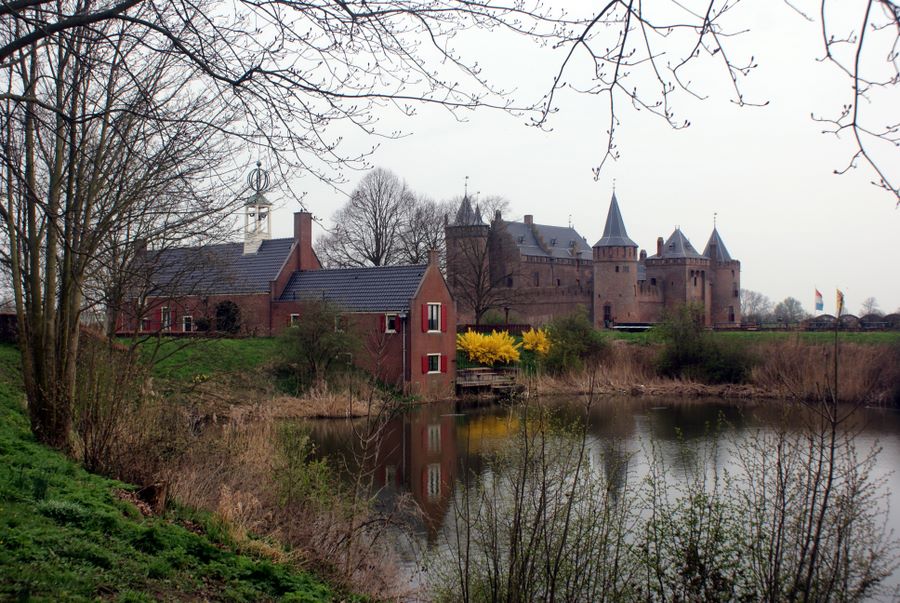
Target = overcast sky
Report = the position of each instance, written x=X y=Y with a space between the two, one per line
x=767 y=172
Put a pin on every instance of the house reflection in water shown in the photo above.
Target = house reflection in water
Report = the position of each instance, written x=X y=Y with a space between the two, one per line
x=422 y=453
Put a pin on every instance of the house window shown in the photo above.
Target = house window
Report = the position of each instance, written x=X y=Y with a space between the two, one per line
x=165 y=318
x=434 y=363
x=434 y=481
x=434 y=438
x=434 y=317
x=187 y=323
x=390 y=475
x=145 y=324
x=293 y=320
x=391 y=323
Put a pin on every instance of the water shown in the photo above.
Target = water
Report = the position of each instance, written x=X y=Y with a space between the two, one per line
x=425 y=454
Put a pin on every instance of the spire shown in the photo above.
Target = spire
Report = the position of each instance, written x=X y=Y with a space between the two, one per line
x=715 y=248
x=614 y=234
x=466 y=216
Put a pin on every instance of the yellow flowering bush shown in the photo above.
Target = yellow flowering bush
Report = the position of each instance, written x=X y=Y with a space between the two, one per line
x=489 y=349
x=536 y=341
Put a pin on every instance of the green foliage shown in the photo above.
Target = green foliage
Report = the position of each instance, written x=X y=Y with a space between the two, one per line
x=299 y=476
x=64 y=535
x=318 y=346
x=689 y=351
x=574 y=343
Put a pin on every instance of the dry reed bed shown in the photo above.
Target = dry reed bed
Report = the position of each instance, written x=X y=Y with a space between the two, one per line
x=868 y=374
x=237 y=470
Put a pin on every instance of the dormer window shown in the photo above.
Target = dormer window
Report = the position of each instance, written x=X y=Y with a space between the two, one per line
x=521 y=239
x=552 y=242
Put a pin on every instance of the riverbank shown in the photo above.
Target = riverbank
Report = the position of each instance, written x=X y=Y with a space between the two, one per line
x=781 y=368
x=67 y=534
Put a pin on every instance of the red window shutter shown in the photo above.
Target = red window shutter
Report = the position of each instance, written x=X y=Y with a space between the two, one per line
x=443 y=320
x=383 y=323
x=424 y=364
x=443 y=363
x=424 y=318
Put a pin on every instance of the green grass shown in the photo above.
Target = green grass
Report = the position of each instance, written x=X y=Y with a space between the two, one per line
x=65 y=536
x=876 y=337
x=189 y=359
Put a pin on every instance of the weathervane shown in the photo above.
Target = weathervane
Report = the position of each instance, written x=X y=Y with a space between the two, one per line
x=714 y=218
x=258 y=179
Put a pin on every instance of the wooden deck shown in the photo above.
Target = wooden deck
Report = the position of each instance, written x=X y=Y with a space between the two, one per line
x=483 y=380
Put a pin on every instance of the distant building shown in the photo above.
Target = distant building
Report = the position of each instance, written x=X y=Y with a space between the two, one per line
x=405 y=315
x=541 y=272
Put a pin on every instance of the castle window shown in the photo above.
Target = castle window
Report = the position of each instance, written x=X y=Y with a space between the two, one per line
x=558 y=282
x=732 y=273
x=509 y=281
x=537 y=279
x=695 y=281
x=653 y=282
x=627 y=268
x=617 y=268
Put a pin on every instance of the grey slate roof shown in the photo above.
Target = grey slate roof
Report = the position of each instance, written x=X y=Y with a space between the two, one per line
x=678 y=246
x=378 y=289
x=217 y=269
x=466 y=216
x=614 y=234
x=715 y=248
x=567 y=240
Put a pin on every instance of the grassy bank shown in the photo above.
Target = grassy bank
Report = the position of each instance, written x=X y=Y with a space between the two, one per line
x=69 y=535
x=755 y=337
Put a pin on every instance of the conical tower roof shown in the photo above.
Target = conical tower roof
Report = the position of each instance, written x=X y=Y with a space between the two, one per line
x=678 y=246
x=466 y=216
x=715 y=248
x=614 y=234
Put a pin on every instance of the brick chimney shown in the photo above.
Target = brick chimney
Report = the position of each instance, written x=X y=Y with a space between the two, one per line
x=433 y=257
x=303 y=239
x=659 y=246
x=529 y=219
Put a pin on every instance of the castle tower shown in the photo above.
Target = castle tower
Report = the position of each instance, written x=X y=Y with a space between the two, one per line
x=468 y=261
x=615 y=272
x=683 y=273
x=257 y=211
x=725 y=283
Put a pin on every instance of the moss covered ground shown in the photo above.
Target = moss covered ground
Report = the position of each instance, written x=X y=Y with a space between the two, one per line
x=65 y=534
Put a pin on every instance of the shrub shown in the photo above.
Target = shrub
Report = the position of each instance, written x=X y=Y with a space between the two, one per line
x=317 y=346
x=536 y=341
x=496 y=348
x=574 y=343
x=689 y=351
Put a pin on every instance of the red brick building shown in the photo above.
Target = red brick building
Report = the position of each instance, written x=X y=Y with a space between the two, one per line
x=404 y=315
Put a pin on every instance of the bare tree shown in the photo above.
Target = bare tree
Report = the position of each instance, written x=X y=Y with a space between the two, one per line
x=482 y=271
x=424 y=231
x=870 y=306
x=368 y=228
x=755 y=307
x=790 y=310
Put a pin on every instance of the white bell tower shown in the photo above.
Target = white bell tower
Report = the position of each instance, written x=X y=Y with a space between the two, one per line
x=257 y=211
